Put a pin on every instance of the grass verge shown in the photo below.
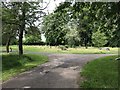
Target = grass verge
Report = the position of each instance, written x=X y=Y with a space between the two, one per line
x=13 y=64
x=101 y=73
x=56 y=49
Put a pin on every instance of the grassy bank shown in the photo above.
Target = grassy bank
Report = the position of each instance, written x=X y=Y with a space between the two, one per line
x=12 y=64
x=78 y=50
x=101 y=73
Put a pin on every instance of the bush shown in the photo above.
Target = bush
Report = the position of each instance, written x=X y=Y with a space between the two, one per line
x=33 y=40
x=99 y=39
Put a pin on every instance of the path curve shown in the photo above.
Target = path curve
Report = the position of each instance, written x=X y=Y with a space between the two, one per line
x=62 y=71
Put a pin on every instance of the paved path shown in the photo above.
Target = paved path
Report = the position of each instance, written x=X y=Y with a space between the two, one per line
x=62 y=71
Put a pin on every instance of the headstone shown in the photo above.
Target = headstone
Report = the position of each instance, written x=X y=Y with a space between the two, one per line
x=107 y=49
x=10 y=49
x=117 y=58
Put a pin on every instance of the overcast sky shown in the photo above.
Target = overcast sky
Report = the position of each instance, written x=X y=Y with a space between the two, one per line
x=52 y=5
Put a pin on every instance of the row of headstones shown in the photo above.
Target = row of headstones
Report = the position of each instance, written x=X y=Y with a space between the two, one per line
x=108 y=49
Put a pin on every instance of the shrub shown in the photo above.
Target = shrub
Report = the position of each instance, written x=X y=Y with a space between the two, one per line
x=33 y=40
x=99 y=39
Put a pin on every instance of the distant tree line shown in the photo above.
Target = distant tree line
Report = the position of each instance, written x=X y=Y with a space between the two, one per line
x=83 y=23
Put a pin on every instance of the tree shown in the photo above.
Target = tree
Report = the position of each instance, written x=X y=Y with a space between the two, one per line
x=8 y=36
x=54 y=25
x=26 y=14
x=27 y=17
x=72 y=36
x=54 y=28
x=115 y=39
x=9 y=27
x=99 y=39
x=90 y=17
x=32 y=36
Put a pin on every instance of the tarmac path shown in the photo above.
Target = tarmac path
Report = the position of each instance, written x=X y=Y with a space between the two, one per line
x=62 y=71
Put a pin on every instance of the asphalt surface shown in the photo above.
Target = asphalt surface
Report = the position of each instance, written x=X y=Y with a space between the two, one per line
x=62 y=71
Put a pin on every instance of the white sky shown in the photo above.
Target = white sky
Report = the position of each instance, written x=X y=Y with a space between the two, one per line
x=52 y=5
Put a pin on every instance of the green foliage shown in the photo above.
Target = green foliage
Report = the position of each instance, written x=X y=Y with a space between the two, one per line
x=18 y=16
x=72 y=37
x=99 y=39
x=32 y=40
x=101 y=73
x=87 y=19
x=9 y=29
x=54 y=29
x=84 y=22
x=33 y=36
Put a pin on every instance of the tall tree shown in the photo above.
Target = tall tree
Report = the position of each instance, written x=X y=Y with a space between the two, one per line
x=115 y=12
x=27 y=14
x=54 y=28
x=10 y=28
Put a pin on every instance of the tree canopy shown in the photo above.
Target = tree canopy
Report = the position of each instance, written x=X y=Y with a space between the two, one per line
x=18 y=17
x=71 y=23
x=88 y=18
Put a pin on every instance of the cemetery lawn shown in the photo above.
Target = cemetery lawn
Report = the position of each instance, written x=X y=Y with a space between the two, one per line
x=77 y=50
x=13 y=64
x=101 y=73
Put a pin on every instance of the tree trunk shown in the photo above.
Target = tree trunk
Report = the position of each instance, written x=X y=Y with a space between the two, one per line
x=22 y=28
x=86 y=41
x=7 y=45
x=86 y=47
x=86 y=44
x=20 y=42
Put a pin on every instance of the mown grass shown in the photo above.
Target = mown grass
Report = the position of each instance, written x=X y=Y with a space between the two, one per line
x=101 y=73
x=13 y=64
x=78 y=50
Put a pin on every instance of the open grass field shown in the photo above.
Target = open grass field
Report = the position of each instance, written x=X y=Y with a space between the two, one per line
x=78 y=50
x=101 y=73
x=12 y=64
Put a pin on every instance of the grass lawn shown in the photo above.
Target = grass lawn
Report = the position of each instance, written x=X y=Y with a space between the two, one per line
x=78 y=50
x=101 y=73
x=12 y=64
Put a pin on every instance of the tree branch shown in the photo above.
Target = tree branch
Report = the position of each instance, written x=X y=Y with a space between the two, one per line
x=46 y=6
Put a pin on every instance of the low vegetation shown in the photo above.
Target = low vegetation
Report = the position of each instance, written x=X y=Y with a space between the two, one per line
x=101 y=73
x=13 y=64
